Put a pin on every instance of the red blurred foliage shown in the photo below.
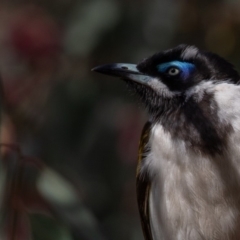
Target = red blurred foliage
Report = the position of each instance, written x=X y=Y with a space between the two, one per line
x=17 y=226
x=34 y=34
x=33 y=45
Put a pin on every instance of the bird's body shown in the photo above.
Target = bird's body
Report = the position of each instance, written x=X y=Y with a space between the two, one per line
x=188 y=175
x=193 y=195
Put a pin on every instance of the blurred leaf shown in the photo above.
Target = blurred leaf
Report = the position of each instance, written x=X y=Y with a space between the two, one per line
x=56 y=189
x=66 y=202
x=53 y=195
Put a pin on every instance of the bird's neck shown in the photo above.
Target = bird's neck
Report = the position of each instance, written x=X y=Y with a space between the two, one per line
x=195 y=123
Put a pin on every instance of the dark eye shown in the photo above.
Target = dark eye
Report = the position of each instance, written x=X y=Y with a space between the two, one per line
x=173 y=71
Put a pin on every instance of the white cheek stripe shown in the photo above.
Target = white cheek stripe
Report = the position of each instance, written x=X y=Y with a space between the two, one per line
x=163 y=91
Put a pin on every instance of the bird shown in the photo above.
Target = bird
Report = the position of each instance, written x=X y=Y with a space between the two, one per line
x=188 y=171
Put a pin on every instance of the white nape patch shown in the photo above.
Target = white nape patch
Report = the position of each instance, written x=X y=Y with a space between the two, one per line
x=227 y=97
x=188 y=198
x=198 y=91
x=189 y=52
x=162 y=90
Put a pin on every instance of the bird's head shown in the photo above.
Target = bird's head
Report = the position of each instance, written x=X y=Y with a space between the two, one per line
x=169 y=76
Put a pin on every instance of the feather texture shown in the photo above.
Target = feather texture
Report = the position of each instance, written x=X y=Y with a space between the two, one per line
x=194 y=193
x=144 y=184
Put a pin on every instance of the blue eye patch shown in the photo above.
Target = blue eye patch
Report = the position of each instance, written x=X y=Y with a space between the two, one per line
x=185 y=67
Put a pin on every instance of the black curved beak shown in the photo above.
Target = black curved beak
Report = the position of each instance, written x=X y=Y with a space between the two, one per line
x=123 y=70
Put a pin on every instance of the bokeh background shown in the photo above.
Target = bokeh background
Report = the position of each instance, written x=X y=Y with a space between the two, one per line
x=69 y=136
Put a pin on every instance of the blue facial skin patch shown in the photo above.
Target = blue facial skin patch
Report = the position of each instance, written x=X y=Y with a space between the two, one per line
x=185 y=67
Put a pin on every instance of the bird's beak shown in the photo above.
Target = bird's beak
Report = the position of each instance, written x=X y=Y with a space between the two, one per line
x=125 y=71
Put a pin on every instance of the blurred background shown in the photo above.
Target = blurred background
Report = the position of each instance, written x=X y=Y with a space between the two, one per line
x=69 y=136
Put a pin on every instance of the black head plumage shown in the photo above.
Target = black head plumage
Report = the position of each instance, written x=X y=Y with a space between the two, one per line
x=205 y=66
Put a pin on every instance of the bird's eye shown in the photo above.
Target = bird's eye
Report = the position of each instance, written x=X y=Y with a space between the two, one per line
x=173 y=71
x=176 y=68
